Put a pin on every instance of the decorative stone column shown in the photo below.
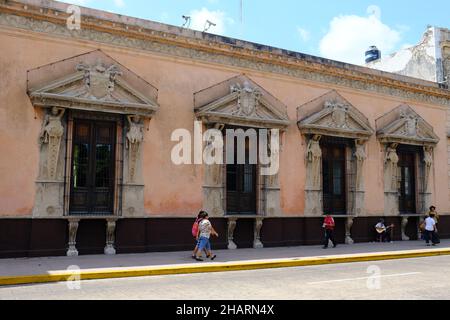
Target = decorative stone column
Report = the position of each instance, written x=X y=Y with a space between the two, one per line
x=73 y=229
x=428 y=165
x=405 y=221
x=361 y=156
x=271 y=186
x=257 y=244
x=110 y=237
x=348 y=231
x=231 y=227
x=313 y=189
x=50 y=183
x=133 y=186
x=391 y=205
x=213 y=176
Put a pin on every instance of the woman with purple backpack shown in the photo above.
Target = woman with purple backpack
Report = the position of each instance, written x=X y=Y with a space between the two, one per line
x=195 y=232
x=205 y=230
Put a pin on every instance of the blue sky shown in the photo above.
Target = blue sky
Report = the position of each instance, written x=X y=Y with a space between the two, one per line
x=335 y=29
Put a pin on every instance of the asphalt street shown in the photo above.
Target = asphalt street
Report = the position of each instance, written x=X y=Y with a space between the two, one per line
x=422 y=278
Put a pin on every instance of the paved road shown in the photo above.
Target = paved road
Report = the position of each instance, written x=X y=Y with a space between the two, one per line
x=424 y=278
x=9 y=267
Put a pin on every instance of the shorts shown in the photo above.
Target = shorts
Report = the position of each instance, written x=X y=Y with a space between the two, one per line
x=204 y=243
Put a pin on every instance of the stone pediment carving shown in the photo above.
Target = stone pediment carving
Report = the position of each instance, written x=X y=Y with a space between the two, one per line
x=404 y=125
x=240 y=101
x=92 y=82
x=332 y=115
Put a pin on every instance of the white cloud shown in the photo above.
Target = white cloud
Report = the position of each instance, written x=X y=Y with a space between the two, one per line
x=119 y=3
x=304 y=34
x=349 y=36
x=199 y=18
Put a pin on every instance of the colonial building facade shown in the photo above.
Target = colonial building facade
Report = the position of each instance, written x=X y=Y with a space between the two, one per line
x=87 y=120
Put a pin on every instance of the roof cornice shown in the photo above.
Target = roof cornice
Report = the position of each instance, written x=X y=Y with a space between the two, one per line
x=103 y=22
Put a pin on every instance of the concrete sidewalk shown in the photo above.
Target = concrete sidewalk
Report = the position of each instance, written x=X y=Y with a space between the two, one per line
x=16 y=271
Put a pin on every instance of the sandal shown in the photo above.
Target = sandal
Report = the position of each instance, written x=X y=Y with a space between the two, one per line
x=213 y=257
x=198 y=259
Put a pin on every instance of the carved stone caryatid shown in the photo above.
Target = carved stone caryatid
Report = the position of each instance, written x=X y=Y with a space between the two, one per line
x=313 y=190
x=391 y=171
x=391 y=180
x=348 y=230
x=213 y=172
x=257 y=244
x=248 y=99
x=271 y=200
x=51 y=134
x=99 y=80
x=361 y=156
x=110 y=237
x=314 y=163
x=135 y=136
x=405 y=221
x=231 y=227
x=73 y=229
x=428 y=163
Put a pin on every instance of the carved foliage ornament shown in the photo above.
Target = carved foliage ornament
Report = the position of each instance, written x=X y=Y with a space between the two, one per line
x=99 y=80
x=248 y=99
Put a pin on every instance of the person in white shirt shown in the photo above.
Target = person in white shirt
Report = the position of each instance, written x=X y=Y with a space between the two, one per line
x=430 y=230
x=205 y=230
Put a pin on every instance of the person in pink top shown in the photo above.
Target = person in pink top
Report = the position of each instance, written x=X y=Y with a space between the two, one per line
x=329 y=226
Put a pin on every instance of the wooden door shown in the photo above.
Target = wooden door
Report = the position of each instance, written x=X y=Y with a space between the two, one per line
x=407 y=198
x=241 y=186
x=334 y=179
x=93 y=158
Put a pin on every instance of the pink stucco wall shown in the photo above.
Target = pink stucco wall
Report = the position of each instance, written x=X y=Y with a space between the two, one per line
x=177 y=190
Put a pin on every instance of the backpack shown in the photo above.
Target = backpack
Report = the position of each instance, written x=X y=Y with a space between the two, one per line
x=195 y=228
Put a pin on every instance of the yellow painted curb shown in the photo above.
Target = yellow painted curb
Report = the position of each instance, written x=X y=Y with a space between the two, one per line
x=97 y=274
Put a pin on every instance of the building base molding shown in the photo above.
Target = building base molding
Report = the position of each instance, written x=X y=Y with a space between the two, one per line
x=27 y=237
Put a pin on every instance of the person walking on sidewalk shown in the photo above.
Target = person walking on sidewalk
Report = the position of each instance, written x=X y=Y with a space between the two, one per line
x=430 y=230
x=205 y=230
x=433 y=214
x=329 y=226
x=195 y=232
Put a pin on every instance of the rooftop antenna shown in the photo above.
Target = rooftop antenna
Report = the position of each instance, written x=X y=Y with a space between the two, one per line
x=242 y=11
x=208 y=25
x=187 y=21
